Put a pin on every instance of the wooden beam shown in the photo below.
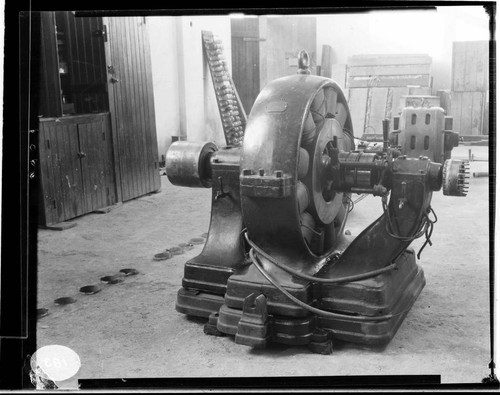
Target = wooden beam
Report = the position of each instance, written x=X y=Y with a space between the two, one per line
x=379 y=60
x=326 y=61
x=393 y=69
x=389 y=81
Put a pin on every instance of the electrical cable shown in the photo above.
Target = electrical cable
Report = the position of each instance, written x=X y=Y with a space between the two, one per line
x=350 y=203
x=425 y=227
x=344 y=220
x=311 y=229
x=339 y=280
x=428 y=233
x=360 y=198
x=314 y=310
x=319 y=125
x=388 y=225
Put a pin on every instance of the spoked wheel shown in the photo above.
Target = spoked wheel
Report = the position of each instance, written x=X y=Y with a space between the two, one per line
x=293 y=123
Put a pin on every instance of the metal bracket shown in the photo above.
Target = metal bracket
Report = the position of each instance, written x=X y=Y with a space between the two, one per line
x=278 y=185
x=220 y=193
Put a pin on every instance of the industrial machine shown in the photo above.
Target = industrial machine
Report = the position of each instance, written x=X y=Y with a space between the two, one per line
x=277 y=265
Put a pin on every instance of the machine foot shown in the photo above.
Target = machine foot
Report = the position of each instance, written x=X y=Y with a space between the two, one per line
x=321 y=342
x=254 y=328
x=210 y=327
x=197 y=303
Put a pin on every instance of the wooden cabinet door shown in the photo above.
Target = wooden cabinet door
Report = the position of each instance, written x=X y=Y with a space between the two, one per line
x=131 y=106
x=96 y=164
x=60 y=172
x=76 y=166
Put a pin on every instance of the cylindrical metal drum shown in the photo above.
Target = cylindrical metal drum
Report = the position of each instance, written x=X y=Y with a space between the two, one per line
x=360 y=170
x=188 y=163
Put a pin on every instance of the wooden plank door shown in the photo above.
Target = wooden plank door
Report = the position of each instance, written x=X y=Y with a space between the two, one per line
x=470 y=66
x=245 y=59
x=85 y=78
x=97 y=164
x=49 y=95
x=284 y=38
x=76 y=166
x=61 y=171
x=467 y=110
x=131 y=106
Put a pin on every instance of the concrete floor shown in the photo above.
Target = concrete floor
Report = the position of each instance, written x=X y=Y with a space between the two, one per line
x=131 y=329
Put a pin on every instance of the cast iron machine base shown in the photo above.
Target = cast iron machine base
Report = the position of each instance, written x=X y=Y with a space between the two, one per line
x=277 y=265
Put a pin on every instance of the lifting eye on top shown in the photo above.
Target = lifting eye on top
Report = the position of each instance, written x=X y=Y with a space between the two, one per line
x=303 y=63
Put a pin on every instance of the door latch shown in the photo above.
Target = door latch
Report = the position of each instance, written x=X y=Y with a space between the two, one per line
x=101 y=33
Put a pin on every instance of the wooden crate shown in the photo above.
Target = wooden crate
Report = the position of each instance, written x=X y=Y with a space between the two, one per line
x=369 y=106
x=470 y=66
x=375 y=85
x=419 y=101
x=338 y=73
x=468 y=109
x=420 y=90
x=365 y=71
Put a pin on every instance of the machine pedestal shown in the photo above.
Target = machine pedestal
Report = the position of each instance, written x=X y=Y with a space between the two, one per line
x=390 y=294
x=197 y=303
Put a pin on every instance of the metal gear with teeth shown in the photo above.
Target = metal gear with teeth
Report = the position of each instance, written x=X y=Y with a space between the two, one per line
x=455 y=179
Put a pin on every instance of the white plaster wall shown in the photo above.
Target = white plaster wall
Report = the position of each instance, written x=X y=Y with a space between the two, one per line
x=184 y=97
x=163 y=43
x=185 y=104
x=202 y=115
x=429 y=32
